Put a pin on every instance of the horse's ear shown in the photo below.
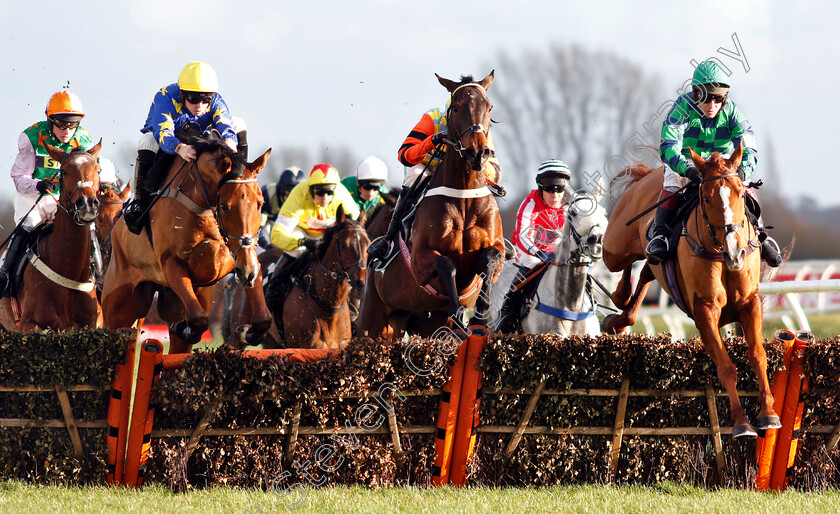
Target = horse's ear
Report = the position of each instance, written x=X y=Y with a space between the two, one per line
x=737 y=155
x=486 y=81
x=57 y=154
x=339 y=215
x=259 y=162
x=95 y=150
x=448 y=84
x=362 y=217
x=126 y=191
x=699 y=162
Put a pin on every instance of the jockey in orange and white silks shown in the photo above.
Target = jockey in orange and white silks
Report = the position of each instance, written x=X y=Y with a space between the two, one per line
x=311 y=209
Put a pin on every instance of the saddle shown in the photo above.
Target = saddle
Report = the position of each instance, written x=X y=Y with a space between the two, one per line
x=688 y=200
x=278 y=285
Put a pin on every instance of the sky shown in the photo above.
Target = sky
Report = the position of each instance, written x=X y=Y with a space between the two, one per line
x=328 y=74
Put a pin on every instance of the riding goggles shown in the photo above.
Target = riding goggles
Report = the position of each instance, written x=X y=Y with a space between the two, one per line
x=322 y=191
x=369 y=186
x=197 y=98
x=717 y=98
x=553 y=189
x=64 y=125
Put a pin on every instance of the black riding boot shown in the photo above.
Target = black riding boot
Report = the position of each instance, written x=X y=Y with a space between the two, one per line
x=381 y=247
x=12 y=252
x=510 y=312
x=658 y=248
x=242 y=146
x=134 y=211
x=769 y=247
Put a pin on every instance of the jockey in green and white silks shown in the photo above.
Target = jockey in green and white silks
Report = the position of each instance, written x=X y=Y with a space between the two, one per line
x=706 y=121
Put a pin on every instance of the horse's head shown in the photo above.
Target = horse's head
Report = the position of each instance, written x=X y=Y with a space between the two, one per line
x=343 y=249
x=722 y=205
x=238 y=203
x=79 y=179
x=587 y=224
x=111 y=202
x=468 y=118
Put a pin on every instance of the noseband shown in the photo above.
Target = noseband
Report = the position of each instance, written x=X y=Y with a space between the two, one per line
x=475 y=129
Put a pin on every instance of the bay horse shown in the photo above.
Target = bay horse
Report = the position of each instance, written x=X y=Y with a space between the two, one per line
x=316 y=314
x=111 y=201
x=716 y=271
x=57 y=289
x=200 y=229
x=563 y=303
x=456 y=243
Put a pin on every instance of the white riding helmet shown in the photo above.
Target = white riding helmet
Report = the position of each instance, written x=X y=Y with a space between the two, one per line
x=107 y=172
x=372 y=168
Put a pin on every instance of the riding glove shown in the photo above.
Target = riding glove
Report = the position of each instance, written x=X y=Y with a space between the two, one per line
x=308 y=243
x=439 y=138
x=543 y=256
x=693 y=175
x=44 y=186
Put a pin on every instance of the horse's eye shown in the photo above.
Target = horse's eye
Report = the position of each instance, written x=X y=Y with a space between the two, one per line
x=225 y=207
x=707 y=199
x=491 y=107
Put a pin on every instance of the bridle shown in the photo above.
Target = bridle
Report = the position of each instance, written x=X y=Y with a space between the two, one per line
x=68 y=207
x=245 y=240
x=580 y=256
x=729 y=228
x=475 y=129
x=343 y=275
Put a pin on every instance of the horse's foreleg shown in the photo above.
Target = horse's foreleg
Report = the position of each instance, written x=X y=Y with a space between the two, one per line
x=621 y=296
x=179 y=281
x=616 y=323
x=751 y=318
x=706 y=318
x=491 y=261
x=260 y=317
x=373 y=318
x=445 y=269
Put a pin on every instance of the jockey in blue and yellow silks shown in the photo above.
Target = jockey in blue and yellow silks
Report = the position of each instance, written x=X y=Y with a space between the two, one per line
x=193 y=103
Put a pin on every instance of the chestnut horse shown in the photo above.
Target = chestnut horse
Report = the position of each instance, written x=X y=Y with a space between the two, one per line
x=111 y=201
x=456 y=240
x=202 y=227
x=716 y=271
x=57 y=290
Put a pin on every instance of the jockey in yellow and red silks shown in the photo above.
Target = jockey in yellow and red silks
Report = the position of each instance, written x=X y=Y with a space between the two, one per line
x=310 y=209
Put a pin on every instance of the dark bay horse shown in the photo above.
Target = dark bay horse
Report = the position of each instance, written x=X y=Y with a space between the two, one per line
x=316 y=314
x=57 y=290
x=203 y=227
x=456 y=243
x=716 y=271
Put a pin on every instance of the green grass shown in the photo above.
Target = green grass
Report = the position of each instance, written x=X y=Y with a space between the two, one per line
x=21 y=497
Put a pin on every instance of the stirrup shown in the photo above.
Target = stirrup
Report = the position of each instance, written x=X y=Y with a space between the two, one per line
x=658 y=256
x=771 y=253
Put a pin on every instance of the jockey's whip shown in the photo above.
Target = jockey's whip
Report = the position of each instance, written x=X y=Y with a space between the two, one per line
x=657 y=204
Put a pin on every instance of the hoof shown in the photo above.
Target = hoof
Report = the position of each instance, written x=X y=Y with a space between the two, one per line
x=610 y=325
x=745 y=430
x=768 y=422
x=189 y=335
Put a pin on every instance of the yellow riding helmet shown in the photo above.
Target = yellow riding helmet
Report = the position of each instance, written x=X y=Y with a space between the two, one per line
x=323 y=174
x=67 y=103
x=198 y=76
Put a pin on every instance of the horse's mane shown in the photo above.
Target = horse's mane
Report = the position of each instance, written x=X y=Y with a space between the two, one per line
x=212 y=142
x=627 y=177
x=466 y=79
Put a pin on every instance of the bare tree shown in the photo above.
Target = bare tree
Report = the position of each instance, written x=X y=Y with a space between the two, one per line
x=569 y=103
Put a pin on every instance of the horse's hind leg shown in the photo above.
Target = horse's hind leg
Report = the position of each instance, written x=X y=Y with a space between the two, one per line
x=751 y=321
x=616 y=323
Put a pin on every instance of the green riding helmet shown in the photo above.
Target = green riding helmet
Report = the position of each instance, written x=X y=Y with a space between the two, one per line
x=710 y=73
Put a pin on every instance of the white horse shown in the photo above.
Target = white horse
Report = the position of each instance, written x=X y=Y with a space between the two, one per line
x=563 y=303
